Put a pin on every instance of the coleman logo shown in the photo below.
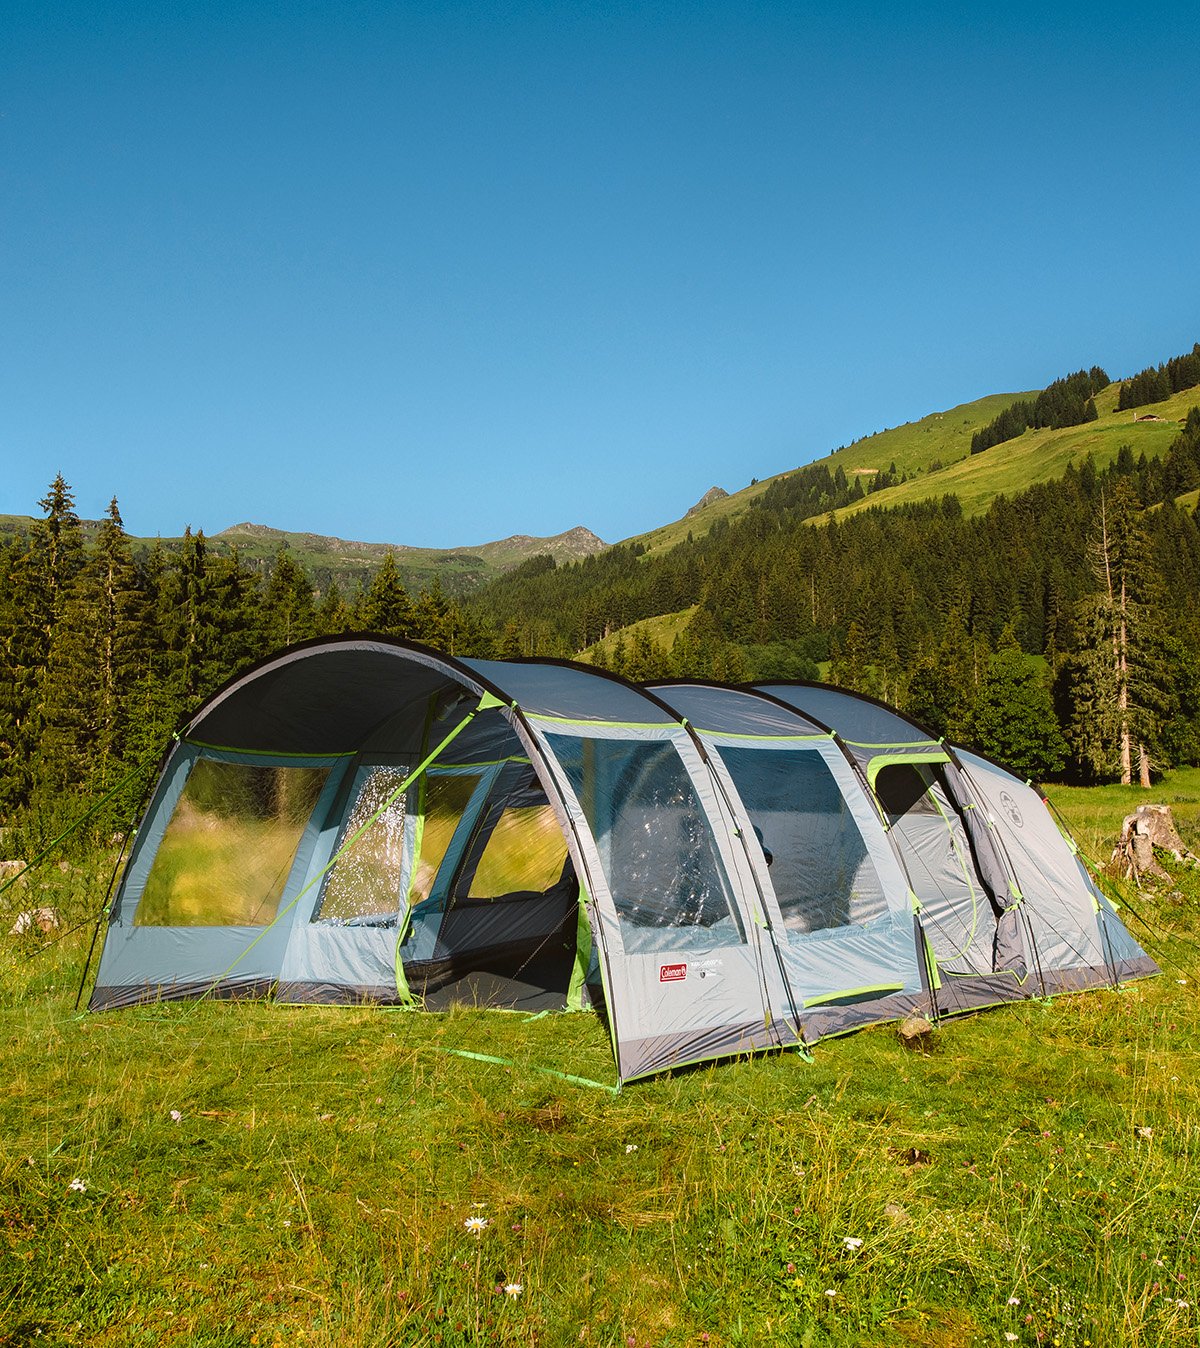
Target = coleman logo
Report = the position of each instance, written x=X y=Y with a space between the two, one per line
x=672 y=973
x=1011 y=809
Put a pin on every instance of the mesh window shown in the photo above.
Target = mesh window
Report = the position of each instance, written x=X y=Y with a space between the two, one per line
x=364 y=885
x=226 y=853
x=446 y=797
x=658 y=850
x=525 y=852
x=901 y=789
x=821 y=871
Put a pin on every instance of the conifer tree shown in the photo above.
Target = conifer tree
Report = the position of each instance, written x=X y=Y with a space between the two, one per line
x=386 y=606
x=288 y=611
x=1012 y=719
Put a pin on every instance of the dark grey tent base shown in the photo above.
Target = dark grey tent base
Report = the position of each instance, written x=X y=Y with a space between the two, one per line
x=138 y=994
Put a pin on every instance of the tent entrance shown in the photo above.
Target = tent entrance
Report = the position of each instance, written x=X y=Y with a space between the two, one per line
x=495 y=898
x=957 y=913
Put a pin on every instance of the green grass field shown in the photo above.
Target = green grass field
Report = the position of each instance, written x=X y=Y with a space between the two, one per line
x=250 y=1174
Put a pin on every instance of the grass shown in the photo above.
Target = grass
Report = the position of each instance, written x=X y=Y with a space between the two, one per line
x=1031 y=1175
x=1043 y=455
x=662 y=629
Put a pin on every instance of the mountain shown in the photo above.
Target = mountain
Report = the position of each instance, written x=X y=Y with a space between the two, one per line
x=326 y=559
x=459 y=569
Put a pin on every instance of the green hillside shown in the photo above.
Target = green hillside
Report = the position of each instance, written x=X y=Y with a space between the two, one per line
x=661 y=629
x=939 y=438
x=1042 y=455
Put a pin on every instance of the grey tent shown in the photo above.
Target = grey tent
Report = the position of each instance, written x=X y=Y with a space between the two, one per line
x=369 y=820
x=1005 y=906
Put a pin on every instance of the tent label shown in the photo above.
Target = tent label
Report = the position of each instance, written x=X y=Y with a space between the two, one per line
x=672 y=973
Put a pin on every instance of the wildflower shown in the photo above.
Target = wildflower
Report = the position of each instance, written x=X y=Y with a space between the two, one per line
x=630 y=1146
x=852 y=1242
x=476 y=1225
x=1183 y=1305
x=791 y=1268
x=513 y=1290
x=78 y=1186
x=1014 y=1301
x=176 y=1116
x=831 y=1292
x=1009 y=1336
x=1145 y=1132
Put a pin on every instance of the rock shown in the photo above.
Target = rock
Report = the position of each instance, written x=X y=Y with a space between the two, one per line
x=1149 y=828
x=35 y=919
x=9 y=870
x=916 y=1032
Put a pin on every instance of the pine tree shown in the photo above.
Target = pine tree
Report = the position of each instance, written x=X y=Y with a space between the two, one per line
x=1013 y=718
x=288 y=612
x=386 y=606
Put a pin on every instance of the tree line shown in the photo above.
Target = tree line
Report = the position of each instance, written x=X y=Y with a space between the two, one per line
x=979 y=626
x=1058 y=631
x=1157 y=382
x=1065 y=402
x=103 y=648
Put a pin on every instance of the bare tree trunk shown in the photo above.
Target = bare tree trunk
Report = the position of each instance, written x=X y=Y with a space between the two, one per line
x=1143 y=766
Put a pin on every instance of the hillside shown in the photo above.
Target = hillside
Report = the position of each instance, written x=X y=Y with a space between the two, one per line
x=937 y=439
x=934 y=453
x=1042 y=455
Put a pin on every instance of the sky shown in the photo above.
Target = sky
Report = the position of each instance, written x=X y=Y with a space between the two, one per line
x=436 y=274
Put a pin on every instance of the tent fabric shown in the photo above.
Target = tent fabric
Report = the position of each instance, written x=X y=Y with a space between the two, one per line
x=719 y=870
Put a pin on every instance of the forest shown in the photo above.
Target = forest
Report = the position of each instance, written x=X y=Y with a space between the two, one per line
x=1057 y=632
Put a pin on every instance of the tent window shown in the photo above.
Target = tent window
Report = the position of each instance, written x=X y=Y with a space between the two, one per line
x=658 y=849
x=902 y=788
x=364 y=885
x=227 y=850
x=526 y=852
x=821 y=871
x=446 y=797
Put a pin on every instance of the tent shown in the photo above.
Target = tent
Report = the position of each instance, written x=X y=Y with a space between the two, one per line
x=368 y=820
x=1005 y=905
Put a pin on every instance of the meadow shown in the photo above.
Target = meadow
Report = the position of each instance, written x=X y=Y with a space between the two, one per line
x=234 y=1175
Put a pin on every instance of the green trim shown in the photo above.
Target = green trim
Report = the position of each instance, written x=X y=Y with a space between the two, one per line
x=781 y=739
x=490 y=700
x=583 y=954
x=916 y=744
x=544 y=1071
x=914 y=901
x=262 y=753
x=581 y=724
x=448 y=769
x=931 y=964
x=827 y=997
x=881 y=761
x=402 y=989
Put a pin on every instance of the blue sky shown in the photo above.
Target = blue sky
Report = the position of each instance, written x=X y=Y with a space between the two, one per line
x=437 y=274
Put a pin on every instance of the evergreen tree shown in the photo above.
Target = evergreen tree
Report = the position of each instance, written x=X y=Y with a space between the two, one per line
x=288 y=613
x=386 y=606
x=1013 y=718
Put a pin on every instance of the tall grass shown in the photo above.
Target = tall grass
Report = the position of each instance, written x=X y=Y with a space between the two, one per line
x=221 y=1174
